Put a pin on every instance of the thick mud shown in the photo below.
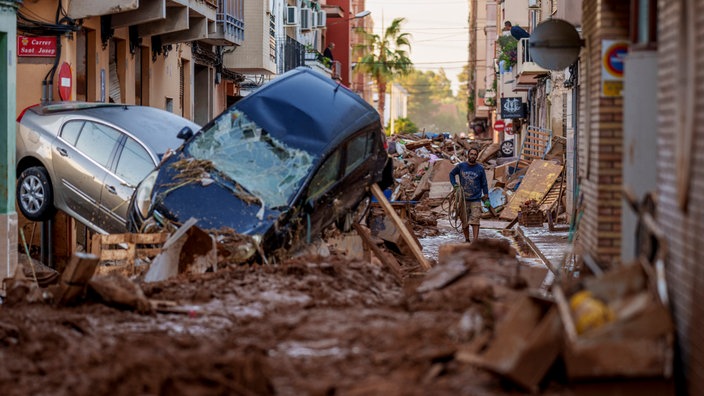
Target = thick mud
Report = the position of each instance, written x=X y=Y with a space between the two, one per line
x=308 y=326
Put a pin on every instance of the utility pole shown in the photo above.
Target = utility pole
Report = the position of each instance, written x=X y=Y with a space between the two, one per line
x=472 y=59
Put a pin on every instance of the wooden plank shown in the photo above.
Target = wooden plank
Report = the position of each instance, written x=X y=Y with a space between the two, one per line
x=539 y=178
x=76 y=276
x=407 y=237
x=563 y=308
x=392 y=265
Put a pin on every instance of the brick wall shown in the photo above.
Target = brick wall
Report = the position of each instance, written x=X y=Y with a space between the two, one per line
x=684 y=230
x=601 y=135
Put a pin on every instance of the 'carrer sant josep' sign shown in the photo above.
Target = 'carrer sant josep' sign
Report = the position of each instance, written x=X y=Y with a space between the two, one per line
x=38 y=46
x=512 y=108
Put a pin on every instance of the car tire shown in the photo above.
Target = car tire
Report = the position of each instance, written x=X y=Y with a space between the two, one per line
x=35 y=196
x=507 y=148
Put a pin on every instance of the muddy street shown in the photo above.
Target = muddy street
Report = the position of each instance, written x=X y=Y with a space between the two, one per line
x=310 y=325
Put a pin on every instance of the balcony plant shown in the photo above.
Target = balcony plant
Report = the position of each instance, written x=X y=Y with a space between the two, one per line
x=508 y=50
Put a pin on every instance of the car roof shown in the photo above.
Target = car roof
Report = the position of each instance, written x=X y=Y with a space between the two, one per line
x=154 y=127
x=308 y=110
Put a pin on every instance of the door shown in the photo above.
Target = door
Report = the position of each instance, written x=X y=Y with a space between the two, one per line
x=133 y=164
x=81 y=158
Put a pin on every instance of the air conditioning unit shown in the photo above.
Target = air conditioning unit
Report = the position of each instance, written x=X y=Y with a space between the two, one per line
x=291 y=15
x=306 y=19
x=322 y=19
x=534 y=3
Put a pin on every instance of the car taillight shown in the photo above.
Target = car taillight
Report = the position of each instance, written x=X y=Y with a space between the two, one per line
x=19 y=117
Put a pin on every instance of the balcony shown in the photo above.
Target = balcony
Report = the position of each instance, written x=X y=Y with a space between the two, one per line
x=228 y=28
x=257 y=54
x=173 y=21
x=316 y=61
x=526 y=71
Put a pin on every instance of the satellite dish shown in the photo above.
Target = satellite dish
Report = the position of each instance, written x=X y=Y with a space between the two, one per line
x=555 y=44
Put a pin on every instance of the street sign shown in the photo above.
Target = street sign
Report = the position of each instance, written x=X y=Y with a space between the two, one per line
x=508 y=129
x=36 y=46
x=499 y=125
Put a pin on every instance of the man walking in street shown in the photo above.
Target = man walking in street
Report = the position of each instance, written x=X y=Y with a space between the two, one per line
x=475 y=190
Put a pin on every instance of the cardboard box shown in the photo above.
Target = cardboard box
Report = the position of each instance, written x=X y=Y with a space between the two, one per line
x=525 y=344
x=637 y=343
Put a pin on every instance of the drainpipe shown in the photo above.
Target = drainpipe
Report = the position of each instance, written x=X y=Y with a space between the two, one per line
x=8 y=75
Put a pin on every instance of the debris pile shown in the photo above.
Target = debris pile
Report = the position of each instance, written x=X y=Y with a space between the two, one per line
x=422 y=167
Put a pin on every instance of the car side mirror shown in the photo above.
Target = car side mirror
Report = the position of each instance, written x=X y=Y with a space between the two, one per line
x=185 y=133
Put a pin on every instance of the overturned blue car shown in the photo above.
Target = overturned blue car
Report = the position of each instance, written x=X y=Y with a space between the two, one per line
x=280 y=165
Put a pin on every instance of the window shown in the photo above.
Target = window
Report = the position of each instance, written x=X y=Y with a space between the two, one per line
x=644 y=24
x=326 y=176
x=97 y=142
x=358 y=150
x=134 y=163
x=70 y=132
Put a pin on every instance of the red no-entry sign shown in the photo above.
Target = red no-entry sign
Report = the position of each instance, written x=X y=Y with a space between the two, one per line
x=499 y=125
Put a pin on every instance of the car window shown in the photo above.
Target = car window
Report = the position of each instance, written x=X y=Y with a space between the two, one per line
x=134 y=163
x=238 y=147
x=70 y=131
x=97 y=142
x=326 y=176
x=358 y=149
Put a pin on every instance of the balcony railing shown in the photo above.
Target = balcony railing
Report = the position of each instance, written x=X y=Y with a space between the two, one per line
x=230 y=23
x=294 y=54
x=525 y=64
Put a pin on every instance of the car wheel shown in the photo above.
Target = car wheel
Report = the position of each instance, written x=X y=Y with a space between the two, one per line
x=507 y=148
x=35 y=196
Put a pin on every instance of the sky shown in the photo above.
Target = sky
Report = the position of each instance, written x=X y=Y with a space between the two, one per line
x=438 y=28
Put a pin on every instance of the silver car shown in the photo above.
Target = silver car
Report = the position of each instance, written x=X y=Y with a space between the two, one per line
x=86 y=158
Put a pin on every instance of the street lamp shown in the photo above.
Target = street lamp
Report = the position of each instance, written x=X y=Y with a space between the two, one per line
x=358 y=15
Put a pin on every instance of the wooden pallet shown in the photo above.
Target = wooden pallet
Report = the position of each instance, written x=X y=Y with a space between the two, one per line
x=535 y=143
x=119 y=252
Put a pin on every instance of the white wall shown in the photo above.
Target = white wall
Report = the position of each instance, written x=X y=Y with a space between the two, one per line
x=639 y=137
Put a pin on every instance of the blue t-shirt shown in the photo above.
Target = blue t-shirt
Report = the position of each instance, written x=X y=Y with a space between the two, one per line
x=472 y=180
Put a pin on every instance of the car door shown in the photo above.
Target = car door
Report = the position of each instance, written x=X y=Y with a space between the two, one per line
x=82 y=156
x=340 y=182
x=133 y=163
x=320 y=199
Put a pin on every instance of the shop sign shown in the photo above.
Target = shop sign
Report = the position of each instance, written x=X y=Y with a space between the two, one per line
x=44 y=46
x=512 y=108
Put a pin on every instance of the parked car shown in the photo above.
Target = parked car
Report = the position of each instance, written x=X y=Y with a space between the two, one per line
x=279 y=165
x=87 y=158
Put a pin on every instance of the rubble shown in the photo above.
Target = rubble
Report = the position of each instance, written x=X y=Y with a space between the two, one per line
x=358 y=312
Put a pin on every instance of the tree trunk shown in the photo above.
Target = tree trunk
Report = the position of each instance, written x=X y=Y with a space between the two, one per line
x=381 y=87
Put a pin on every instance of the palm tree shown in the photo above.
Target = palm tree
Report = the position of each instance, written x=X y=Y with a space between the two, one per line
x=384 y=57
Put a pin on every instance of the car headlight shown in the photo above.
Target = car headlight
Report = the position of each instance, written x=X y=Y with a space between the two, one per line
x=143 y=197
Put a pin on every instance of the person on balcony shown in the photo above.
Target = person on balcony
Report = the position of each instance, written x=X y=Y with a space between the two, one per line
x=516 y=31
x=328 y=51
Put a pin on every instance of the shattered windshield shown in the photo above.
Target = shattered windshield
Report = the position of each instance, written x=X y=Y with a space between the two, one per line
x=266 y=167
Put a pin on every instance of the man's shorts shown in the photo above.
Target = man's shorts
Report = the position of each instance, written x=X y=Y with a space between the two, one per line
x=474 y=212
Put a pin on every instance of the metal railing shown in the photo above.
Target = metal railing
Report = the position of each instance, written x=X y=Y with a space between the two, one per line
x=524 y=61
x=294 y=54
x=230 y=16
